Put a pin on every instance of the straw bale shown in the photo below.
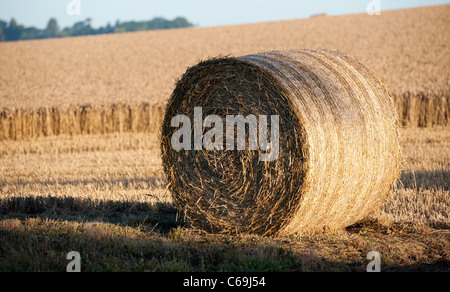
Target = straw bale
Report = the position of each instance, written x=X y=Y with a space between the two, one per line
x=338 y=145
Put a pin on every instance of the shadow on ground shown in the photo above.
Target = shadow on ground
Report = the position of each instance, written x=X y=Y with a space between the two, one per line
x=154 y=237
x=163 y=216
x=439 y=179
x=42 y=245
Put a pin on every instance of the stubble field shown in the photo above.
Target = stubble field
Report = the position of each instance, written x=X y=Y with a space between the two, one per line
x=80 y=165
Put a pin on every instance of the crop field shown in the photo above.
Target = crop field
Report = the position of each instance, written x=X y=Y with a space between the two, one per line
x=80 y=161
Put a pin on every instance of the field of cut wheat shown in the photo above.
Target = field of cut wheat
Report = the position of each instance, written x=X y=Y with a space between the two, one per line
x=80 y=158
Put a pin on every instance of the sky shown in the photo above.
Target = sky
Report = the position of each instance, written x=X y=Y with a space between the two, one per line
x=200 y=12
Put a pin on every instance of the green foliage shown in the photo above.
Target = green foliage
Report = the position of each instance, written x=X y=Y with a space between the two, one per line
x=13 y=31
x=52 y=29
x=42 y=245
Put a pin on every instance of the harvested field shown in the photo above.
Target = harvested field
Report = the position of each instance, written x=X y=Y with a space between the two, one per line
x=80 y=163
x=408 y=49
x=106 y=196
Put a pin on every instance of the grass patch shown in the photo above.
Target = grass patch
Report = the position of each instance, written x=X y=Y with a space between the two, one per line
x=42 y=245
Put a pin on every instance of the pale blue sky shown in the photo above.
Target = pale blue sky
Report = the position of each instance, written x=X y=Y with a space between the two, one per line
x=200 y=12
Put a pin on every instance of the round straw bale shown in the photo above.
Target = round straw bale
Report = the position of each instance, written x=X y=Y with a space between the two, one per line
x=338 y=155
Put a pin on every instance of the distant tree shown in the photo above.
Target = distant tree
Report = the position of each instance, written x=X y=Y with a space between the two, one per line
x=66 y=32
x=82 y=28
x=109 y=28
x=158 y=23
x=14 y=31
x=3 y=26
x=52 y=29
x=180 y=22
x=31 y=33
x=119 y=29
x=134 y=25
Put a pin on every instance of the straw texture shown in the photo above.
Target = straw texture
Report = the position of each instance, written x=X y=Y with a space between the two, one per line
x=16 y=124
x=338 y=156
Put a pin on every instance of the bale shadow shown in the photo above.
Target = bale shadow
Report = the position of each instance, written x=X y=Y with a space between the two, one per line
x=426 y=179
x=179 y=254
x=158 y=216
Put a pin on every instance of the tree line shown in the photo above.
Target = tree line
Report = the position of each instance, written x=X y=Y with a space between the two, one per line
x=13 y=31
